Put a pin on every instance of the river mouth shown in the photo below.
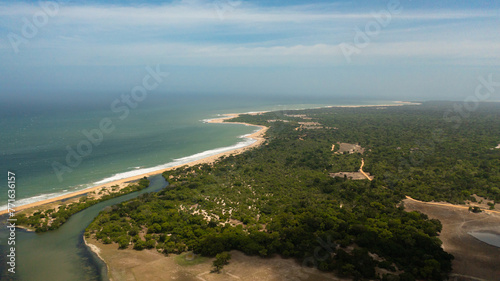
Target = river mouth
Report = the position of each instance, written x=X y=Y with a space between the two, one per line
x=486 y=237
x=62 y=255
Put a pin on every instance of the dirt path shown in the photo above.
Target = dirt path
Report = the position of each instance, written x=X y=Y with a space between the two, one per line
x=361 y=170
x=474 y=260
x=448 y=205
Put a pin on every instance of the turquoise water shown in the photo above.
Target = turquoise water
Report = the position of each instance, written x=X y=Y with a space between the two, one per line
x=160 y=132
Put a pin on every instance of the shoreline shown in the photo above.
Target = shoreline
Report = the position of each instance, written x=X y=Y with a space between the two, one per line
x=258 y=136
x=97 y=251
x=395 y=103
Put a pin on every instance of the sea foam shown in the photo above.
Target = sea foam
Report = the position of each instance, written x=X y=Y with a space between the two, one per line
x=245 y=141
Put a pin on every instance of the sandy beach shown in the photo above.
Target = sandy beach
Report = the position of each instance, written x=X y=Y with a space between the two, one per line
x=257 y=136
x=395 y=103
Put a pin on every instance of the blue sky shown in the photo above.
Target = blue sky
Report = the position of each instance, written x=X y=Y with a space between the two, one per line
x=424 y=49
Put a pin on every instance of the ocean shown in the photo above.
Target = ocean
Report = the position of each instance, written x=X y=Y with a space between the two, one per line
x=58 y=148
x=158 y=133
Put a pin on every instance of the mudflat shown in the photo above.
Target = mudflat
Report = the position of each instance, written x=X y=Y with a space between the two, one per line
x=474 y=260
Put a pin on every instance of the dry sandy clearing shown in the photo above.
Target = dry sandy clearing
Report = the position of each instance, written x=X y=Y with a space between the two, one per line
x=149 y=265
x=474 y=260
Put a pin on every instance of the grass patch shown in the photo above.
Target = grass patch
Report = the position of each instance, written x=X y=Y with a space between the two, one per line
x=187 y=259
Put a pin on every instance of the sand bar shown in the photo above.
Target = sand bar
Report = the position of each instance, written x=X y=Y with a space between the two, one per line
x=258 y=136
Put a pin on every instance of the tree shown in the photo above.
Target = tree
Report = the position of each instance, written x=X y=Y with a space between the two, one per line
x=221 y=260
x=123 y=241
x=139 y=245
x=475 y=209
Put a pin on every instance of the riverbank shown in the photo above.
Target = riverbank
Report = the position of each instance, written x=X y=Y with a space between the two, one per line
x=474 y=260
x=149 y=265
x=108 y=187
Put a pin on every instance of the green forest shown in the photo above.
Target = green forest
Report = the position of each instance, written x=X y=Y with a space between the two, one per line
x=280 y=199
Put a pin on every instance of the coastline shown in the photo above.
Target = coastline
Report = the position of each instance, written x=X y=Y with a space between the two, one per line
x=395 y=103
x=257 y=136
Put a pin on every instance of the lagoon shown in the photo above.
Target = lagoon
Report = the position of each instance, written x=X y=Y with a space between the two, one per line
x=487 y=237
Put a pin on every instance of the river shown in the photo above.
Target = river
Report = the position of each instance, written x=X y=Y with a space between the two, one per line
x=62 y=254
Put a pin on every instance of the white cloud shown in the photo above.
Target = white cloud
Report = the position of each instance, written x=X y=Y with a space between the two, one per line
x=190 y=32
x=200 y=12
x=325 y=55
